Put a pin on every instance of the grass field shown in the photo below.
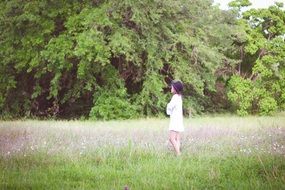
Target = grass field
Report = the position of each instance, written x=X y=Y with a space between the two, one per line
x=221 y=152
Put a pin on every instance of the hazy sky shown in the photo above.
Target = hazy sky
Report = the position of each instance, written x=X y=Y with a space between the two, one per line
x=255 y=3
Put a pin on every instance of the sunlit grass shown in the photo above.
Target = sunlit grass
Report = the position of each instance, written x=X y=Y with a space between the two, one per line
x=218 y=152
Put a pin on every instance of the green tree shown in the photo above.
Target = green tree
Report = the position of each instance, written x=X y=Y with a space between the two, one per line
x=263 y=65
x=110 y=59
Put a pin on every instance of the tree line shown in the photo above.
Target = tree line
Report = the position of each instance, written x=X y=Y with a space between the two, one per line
x=106 y=59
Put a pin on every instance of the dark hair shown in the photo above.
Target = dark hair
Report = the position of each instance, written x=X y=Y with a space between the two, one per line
x=178 y=86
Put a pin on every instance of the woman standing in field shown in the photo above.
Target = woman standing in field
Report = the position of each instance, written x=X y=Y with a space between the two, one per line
x=174 y=109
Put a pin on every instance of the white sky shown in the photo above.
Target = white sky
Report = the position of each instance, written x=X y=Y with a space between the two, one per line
x=255 y=3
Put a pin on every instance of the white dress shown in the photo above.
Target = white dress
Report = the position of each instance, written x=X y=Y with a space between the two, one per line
x=174 y=109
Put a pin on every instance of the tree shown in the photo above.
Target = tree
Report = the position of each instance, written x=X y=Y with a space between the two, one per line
x=260 y=88
x=97 y=58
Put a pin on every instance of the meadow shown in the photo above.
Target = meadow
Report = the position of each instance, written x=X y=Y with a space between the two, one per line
x=218 y=152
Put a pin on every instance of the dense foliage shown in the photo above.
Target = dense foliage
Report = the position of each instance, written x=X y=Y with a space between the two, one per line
x=115 y=59
x=260 y=85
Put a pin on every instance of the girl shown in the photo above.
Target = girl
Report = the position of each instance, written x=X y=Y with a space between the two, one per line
x=174 y=109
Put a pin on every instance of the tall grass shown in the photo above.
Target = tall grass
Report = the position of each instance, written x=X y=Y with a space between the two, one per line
x=217 y=153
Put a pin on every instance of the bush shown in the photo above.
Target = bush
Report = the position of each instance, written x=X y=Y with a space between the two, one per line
x=241 y=94
x=109 y=106
x=267 y=106
x=249 y=97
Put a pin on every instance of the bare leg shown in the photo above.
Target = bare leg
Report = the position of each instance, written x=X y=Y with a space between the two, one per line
x=178 y=141
x=172 y=139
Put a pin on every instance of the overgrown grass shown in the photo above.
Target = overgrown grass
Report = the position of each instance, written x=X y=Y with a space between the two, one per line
x=217 y=153
x=138 y=169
